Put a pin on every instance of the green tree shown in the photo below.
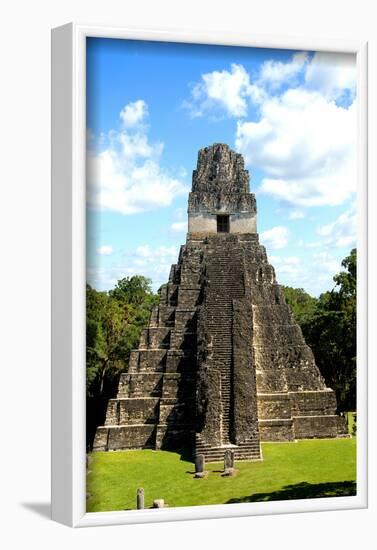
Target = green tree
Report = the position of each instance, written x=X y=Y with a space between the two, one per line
x=338 y=339
x=134 y=290
x=329 y=327
x=302 y=304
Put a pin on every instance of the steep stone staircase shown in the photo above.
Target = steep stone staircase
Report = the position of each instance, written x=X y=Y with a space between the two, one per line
x=224 y=271
x=250 y=450
x=225 y=283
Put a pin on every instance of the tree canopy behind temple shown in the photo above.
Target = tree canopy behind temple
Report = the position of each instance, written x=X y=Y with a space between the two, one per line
x=329 y=327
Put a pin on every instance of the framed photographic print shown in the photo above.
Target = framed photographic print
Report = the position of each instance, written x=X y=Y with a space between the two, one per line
x=209 y=275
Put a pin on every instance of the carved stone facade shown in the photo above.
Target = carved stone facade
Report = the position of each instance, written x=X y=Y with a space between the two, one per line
x=220 y=185
x=222 y=364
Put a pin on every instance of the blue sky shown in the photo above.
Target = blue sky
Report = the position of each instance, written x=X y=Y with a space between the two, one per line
x=151 y=106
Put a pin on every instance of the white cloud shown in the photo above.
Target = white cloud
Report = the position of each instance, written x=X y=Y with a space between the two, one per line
x=305 y=145
x=105 y=250
x=325 y=262
x=133 y=113
x=275 y=238
x=287 y=268
x=145 y=251
x=314 y=273
x=179 y=227
x=151 y=262
x=341 y=232
x=332 y=74
x=274 y=73
x=315 y=244
x=296 y=215
x=125 y=175
x=302 y=138
x=230 y=90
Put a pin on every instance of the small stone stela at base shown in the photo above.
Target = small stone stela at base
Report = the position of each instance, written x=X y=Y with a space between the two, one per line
x=222 y=364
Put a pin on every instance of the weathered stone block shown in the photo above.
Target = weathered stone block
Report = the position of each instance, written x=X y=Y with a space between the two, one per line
x=140 y=384
x=309 y=427
x=276 y=430
x=185 y=320
x=131 y=437
x=150 y=360
x=155 y=338
x=138 y=411
x=180 y=360
x=188 y=298
x=100 y=440
x=274 y=406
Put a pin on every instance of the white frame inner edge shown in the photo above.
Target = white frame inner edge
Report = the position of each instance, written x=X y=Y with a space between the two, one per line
x=68 y=276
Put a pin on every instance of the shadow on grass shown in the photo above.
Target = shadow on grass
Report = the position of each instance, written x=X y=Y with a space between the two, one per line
x=301 y=491
x=186 y=454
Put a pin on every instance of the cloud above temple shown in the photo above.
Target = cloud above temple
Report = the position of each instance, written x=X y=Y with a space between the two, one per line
x=306 y=147
x=230 y=90
x=332 y=74
x=124 y=168
x=276 y=73
x=295 y=122
x=134 y=113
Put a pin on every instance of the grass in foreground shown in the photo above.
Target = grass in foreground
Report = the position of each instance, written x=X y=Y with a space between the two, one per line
x=305 y=469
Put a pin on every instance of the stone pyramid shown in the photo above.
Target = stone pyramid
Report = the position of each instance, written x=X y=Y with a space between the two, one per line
x=222 y=363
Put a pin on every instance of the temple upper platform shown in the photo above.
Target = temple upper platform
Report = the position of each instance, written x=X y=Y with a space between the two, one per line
x=220 y=200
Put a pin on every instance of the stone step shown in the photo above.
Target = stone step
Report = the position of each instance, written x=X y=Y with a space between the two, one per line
x=219 y=453
x=223 y=448
x=239 y=456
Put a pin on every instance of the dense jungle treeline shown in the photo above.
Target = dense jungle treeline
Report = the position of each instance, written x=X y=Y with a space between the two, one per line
x=328 y=324
x=115 y=319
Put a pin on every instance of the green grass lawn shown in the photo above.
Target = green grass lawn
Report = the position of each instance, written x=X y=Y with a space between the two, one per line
x=304 y=469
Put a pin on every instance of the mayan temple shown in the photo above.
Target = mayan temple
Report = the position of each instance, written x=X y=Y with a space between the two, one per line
x=222 y=364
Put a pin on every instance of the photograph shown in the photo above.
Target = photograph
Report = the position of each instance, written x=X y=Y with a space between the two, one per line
x=221 y=254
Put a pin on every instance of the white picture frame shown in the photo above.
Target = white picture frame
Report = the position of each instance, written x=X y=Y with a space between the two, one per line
x=68 y=277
